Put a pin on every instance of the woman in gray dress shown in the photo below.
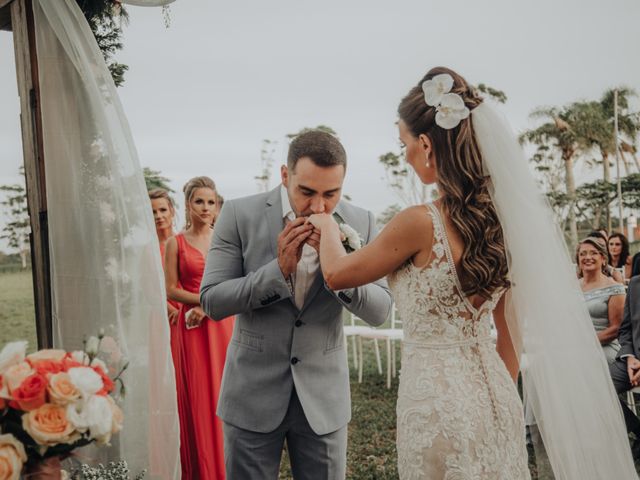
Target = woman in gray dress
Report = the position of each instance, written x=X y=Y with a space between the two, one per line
x=603 y=295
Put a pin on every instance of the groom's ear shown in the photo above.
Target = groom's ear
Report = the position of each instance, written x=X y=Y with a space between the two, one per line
x=284 y=175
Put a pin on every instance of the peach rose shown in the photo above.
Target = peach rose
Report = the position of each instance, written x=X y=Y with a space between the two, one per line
x=15 y=374
x=50 y=354
x=31 y=394
x=61 y=389
x=48 y=425
x=12 y=457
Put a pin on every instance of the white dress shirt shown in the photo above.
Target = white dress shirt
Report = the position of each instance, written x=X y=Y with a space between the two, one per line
x=309 y=262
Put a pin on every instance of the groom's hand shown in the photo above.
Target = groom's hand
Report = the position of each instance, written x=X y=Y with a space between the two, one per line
x=314 y=239
x=290 y=242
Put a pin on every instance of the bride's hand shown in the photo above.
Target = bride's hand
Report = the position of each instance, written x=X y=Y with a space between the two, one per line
x=320 y=220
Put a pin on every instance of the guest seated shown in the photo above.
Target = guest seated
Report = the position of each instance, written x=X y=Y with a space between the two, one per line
x=619 y=256
x=625 y=371
x=609 y=271
x=603 y=295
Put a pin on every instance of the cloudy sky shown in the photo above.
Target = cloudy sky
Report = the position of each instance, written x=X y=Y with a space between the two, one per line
x=202 y=94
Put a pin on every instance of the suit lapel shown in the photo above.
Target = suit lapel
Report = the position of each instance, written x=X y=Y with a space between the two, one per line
x=274 y=218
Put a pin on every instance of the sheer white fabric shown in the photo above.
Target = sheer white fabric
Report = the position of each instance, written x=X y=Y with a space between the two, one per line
x=459 y=413
x=564 y=371
x=105 y=263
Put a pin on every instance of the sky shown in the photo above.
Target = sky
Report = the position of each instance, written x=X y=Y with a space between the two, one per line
x=202 y=94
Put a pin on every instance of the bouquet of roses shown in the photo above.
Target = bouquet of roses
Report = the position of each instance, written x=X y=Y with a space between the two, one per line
x=52 y=402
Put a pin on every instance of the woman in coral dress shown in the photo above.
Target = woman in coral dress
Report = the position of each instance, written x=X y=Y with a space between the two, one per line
x=203 y=342
x=163 y=216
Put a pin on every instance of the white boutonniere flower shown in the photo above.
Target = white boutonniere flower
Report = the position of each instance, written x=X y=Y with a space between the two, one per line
x=351 y=240
x=450 y=107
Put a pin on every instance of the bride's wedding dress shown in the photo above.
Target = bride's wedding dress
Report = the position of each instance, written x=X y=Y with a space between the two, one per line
x=459 y=413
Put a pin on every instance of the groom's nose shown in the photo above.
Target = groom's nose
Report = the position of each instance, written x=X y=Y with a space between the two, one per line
x=318 y=205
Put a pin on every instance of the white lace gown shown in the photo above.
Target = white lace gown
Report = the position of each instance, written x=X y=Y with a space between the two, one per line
x=459 y=414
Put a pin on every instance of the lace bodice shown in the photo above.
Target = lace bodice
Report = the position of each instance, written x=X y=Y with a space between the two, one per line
x=459 y=413
x=430 y=300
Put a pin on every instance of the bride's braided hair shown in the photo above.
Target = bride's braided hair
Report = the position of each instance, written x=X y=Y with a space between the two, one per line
x=464 y=187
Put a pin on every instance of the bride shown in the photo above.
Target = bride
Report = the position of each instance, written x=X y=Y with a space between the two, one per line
x=486 y=249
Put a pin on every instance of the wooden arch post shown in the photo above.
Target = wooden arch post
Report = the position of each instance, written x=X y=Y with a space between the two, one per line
x=17 y=16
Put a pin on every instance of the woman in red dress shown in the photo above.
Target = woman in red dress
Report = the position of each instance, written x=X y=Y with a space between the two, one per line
x=203 y=342
x=163 y=216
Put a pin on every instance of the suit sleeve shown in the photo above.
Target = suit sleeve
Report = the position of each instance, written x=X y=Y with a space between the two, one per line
x=625 y=333
x=225 y=289
x=372 y=302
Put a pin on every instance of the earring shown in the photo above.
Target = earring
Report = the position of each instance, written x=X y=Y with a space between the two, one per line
x=428 y=165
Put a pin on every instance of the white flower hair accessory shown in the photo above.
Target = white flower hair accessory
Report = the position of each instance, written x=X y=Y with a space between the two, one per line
x=450 y=108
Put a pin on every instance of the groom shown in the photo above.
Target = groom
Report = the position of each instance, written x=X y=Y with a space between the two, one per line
x=286 y=374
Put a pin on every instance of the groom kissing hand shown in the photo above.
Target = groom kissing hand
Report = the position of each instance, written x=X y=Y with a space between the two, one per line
x=286 y=376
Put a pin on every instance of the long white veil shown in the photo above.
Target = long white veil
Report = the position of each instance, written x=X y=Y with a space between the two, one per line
x=105 y=261
x=565 y=374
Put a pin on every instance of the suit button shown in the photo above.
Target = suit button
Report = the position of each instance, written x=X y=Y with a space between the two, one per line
x=294 y=360
x=298 y=323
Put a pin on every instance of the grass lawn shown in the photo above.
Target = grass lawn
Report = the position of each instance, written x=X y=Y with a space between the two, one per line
x=17 y=316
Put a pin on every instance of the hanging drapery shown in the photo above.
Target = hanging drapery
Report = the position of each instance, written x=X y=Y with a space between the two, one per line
x=105 y=264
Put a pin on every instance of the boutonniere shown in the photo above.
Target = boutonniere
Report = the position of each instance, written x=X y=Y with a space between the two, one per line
x=351 y=240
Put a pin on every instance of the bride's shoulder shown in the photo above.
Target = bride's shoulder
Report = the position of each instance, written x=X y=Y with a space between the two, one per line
x=415 y=217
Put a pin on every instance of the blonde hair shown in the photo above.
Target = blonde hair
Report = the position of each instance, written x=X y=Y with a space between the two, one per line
x=189 y=188
x=157 y=193
x=464 y=186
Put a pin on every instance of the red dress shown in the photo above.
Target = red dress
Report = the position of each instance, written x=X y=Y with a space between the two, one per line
x=203 y=352
x=173 y=328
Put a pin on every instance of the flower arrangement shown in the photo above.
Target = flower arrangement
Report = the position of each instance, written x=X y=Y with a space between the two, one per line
x=351 y=240
x=52 y=402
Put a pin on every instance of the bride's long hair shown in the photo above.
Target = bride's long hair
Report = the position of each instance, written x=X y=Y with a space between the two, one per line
x=463 y=185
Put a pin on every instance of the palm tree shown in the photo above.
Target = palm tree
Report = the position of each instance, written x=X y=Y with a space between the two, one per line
x=557 y=134
x=628 y=123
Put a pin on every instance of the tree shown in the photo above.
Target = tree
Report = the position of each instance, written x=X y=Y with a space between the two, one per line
x=155 y=179
x=17 y=229
x=403 y=180
x=556 y=133
x=105 y=18
x=267 y=159
x=498 y=95
x=322 y=128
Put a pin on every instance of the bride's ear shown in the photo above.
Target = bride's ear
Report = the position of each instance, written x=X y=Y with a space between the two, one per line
x=426 y=145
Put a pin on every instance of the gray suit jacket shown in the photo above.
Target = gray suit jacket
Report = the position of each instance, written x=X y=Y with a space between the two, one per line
x=275 y=346
x=629 y=333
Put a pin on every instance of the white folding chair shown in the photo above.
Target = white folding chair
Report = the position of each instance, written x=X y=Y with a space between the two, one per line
x=389 y=335
x=354 y=331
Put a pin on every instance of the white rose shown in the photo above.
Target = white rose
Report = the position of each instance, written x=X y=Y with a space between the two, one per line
x=92 y=346
x=87 y=380
x=12 y=354
x=94 y=415
x=352 y=236
x=96 y=362
x=80 y=357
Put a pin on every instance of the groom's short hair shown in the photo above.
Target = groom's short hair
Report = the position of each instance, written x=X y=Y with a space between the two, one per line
x=324 y=149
